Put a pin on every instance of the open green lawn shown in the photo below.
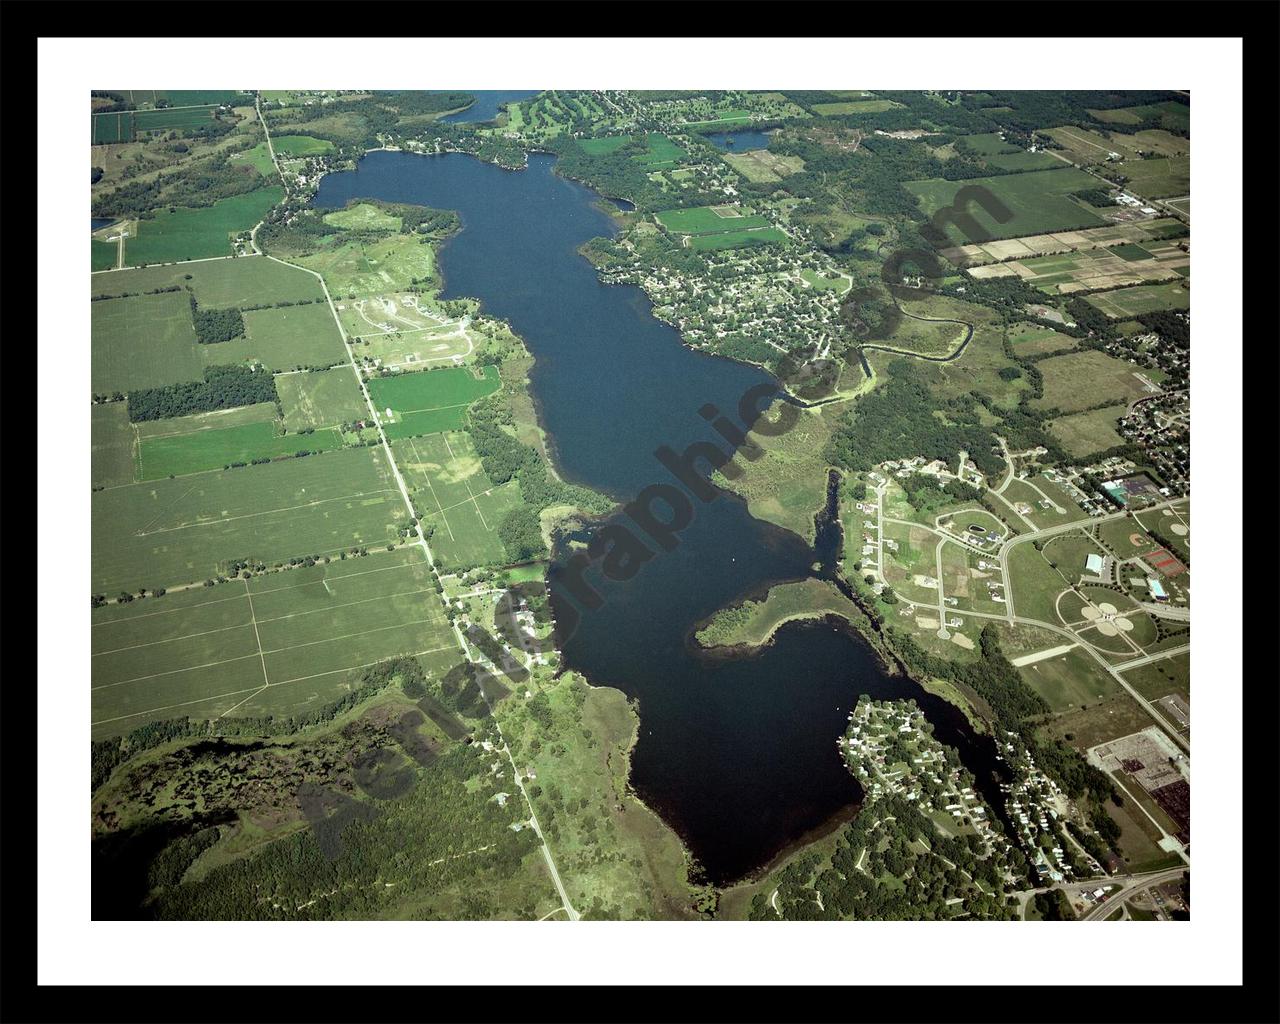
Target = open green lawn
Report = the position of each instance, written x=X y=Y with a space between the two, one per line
x=259 y=158
x=1079 y=380
x=111 y=436
x=142 y=341
x=320 y=398
x=453 y=496
x=1088 y=432
x=277 y=644
x=363 y=217
x=1070 y=680
x=358 y=268
x=1032 y=339
x=1123 y=303
x=1037 y=202
x=283 y=339
x=168 y=532
x=1161 y=678
x=179 y=454
x=220 y=284
x=1036 y=585
x=429 y=401
x=188 y=234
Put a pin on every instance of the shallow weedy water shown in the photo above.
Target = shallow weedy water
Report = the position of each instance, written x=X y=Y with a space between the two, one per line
x=739 y=755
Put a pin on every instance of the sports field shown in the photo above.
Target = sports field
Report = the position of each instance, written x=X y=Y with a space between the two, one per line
x=1126 y=302
x=430 y=401
x=320 y=398
x=275 y=644
x=142 y=341
x=111 y=457
x=1037 y=202
x=449 y=488
x=188 y=234
x=283 y=339
x=201 y=451
x=170 y=532
x=220 y=284
x=1080 y=380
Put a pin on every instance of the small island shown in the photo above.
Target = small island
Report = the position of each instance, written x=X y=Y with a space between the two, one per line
x=754 y=623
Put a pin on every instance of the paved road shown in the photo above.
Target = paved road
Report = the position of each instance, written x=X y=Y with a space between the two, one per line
x=1131 y=885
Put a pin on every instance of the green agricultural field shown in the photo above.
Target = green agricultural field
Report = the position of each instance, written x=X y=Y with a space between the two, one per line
x=170 y=532
x=1038 y=202
x=220 y=284
x=206 y=450
x=1021 y=161
x=853 y=107
x=1123 y=303
x=661 y=152
x=142 y=341
x=218 y=419
x=276 y=644
x=709 y=220
x=300 y=145
x=283 y=339
x=103 y=255
x=1079 y=380
x=455 y=498
x=430 y=401
x=1085 y=433
x=197 y=234
x=1159 y=177
x=1171 y=114
x=987 y=144
x=1131 y=252
x=171 y=119
x=111 y=455
x=108 y=129
x=320 y=398
x=738 y=239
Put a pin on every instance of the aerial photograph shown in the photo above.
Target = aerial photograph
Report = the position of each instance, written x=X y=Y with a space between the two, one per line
x=639 y=505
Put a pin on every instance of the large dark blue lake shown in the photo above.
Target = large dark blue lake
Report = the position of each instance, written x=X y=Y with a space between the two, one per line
x=738 y=754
